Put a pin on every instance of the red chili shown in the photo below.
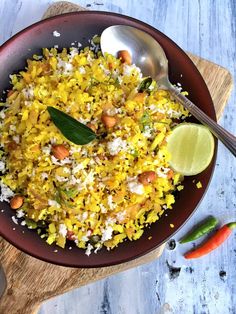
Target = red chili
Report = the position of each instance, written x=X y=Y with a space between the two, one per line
x=216 y=240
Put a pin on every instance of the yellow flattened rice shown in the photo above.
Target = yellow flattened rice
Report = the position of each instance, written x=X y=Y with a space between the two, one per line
x=94 y=196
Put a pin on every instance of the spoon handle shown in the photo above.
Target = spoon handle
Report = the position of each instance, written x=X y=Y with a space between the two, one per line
x=228 y=139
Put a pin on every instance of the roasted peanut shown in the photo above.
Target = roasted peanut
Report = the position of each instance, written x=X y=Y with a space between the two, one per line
x=16 y=202
x=139 y=97
x=101 y=156
x=170 y=174
x=147 y=177
x=10 y=92
x=125 y=56
x=109 y=121
x=70 y=235
x=60 y=151
x=11 y=146
x=110 y=66
x=92 y=126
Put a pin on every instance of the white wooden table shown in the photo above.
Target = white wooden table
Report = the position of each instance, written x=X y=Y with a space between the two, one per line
x=206 y=286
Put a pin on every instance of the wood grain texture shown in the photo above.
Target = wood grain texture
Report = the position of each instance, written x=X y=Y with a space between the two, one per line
x=208 y=29
x=215 y=82
x=31 y=281
x=62 y=7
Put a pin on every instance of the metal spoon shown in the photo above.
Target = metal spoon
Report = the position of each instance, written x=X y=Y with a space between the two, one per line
x=149 y=56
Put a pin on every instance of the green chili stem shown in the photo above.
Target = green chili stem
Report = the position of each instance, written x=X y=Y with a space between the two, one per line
x=232 y=225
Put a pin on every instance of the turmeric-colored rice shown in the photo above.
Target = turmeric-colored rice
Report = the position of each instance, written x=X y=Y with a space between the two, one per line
x=92 y=197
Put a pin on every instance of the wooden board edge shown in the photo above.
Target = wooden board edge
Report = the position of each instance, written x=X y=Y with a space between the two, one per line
x=61 y=7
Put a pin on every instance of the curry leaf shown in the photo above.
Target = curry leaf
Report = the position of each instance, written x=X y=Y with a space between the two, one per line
x=73 y=130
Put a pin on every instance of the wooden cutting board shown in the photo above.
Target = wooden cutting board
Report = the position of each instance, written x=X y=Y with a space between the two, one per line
x=31 y=281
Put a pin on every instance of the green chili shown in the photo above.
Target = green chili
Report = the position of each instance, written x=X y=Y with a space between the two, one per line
x=214 y=242
x=205 y=227
x=145 y=85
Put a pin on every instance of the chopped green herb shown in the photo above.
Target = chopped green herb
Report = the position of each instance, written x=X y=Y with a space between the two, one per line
x=70 y=193
x=36 y=57
x=63 y=196
x=31 y=223
x=96 y=39
x=41 y=224
x=145 y=120
x=58 y=197
x=95 y=239
x=134 y=153
x=94 y=81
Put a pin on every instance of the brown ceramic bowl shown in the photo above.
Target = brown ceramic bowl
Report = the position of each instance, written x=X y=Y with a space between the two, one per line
x=80 y=27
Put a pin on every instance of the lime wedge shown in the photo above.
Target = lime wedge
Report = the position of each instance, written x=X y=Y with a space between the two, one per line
x=191 y=147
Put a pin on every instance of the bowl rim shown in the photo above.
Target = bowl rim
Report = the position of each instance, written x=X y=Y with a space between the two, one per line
x=136 y=255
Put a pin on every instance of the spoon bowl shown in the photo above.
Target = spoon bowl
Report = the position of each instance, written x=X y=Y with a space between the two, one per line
x=149 y=56
x=139 y=44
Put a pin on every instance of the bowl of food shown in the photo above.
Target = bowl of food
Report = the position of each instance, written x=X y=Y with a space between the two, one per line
x=86 y=177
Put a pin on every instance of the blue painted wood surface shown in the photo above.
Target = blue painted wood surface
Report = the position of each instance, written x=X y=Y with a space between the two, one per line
x=205 y=286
